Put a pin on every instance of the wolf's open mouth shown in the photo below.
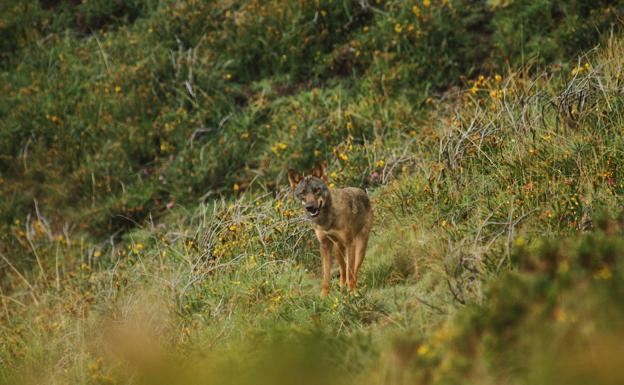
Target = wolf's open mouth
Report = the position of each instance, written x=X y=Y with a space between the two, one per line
x=314 y=213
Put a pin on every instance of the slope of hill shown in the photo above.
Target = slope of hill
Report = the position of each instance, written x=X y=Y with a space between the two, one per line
x=149 y=236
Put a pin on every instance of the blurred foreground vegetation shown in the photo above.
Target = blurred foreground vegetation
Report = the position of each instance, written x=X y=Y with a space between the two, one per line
x=147 y=234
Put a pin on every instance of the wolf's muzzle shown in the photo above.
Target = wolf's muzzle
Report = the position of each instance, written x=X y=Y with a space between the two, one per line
x=312 y=209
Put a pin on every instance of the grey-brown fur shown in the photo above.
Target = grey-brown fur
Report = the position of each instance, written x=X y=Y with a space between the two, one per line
x=342 y=220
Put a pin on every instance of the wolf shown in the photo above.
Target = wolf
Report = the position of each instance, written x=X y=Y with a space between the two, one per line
x=342 y=220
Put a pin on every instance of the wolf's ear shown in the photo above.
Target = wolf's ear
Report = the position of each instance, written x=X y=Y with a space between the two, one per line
x=293 y=178
x=319 y=172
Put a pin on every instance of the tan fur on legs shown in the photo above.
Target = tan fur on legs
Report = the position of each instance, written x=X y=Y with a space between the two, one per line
x=360 y=251
x=351 y=278
x=339 y=252
x=326 y=263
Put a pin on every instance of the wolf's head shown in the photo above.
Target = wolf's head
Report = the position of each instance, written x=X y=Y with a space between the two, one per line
x=311 y=190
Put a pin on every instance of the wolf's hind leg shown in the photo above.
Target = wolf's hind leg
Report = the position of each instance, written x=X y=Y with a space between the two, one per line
x=351 y=266
x=360 y=243
x=339 y=252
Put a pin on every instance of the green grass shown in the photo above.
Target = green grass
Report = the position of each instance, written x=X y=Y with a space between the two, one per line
x=112 y=112
x=149 y=236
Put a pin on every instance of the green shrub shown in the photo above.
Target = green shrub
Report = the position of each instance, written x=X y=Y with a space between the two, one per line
x=545 y=31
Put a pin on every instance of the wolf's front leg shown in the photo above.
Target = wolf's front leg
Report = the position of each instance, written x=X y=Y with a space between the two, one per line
x=326 y=263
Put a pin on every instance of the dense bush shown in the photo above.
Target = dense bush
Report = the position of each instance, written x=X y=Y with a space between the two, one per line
x=538 y=323
x=546 y=31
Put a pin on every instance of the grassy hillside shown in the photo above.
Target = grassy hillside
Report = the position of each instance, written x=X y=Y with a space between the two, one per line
x=149 y=236
x=114 y=111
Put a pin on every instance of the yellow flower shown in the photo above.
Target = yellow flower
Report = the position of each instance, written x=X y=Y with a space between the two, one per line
x=165 y=147
x=244 y=135
x=54 y=119
x=560 y=315
x=228 y=76
x=604 y=273
x=416 y=10
x=498 y=78
x=563 y=267
x=474 y=90
x=235 y=187
x=422 y=350
x=398 y=28
x=343 y=157
x=426 y=3
x=117 y=89
x=380 y=163
x=278 y=147
x=581 y=69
